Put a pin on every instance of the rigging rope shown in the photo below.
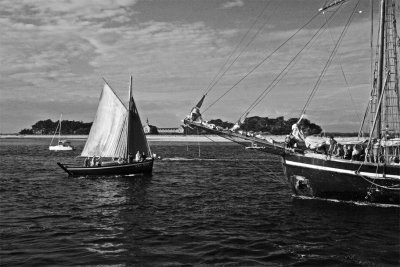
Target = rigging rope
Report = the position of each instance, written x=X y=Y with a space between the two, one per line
x=344 y=75
x=270 y=173
x=360 y=132
x=281 y=75
x=261 y=62
x=218 y=76
x=330 y=59
x=373 y=182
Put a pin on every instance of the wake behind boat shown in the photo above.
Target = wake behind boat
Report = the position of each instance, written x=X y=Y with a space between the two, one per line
x=364 y=170
x=116 y=144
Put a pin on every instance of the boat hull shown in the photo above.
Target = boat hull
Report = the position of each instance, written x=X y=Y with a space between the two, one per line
x=145 y=167
x=61 y=148
x=342 y=180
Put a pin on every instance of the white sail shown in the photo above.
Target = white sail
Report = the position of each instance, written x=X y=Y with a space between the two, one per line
x=108 y=135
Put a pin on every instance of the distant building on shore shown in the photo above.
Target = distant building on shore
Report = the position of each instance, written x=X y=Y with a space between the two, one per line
x=178 y=130
x=151 y=129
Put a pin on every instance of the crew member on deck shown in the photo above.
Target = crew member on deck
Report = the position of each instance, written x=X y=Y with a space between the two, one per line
x=195 y=115
x=138 y=156
x=297 y=134
x=290 y=141
x=347 y=152
x=332 y=146
x=339 y=151
x=86 y=162
x=356 y=153
x=296 y=131
x=93 y=161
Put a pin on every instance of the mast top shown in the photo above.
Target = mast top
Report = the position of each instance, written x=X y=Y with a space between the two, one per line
x=130 y=88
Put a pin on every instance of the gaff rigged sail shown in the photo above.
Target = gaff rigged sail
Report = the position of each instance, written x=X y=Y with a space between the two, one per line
x=108 y=135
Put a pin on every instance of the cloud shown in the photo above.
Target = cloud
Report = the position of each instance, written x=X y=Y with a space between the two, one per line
x=61 y=53
x=42 y=12
x=54 y=54
x=232 y=4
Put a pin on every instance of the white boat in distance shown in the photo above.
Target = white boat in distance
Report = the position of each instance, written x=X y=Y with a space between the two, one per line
x=62 y=145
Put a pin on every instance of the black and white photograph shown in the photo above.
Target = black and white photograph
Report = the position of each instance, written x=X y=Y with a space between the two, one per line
x=199 y=133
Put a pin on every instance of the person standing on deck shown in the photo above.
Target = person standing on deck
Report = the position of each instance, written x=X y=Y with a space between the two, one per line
x=93 y=161
x=339 y=151
x=137 y=156
x=298 y=134
x=332 y=145
x=296 y=131
x=143 y=157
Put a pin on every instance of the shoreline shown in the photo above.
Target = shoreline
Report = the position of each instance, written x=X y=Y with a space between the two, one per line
x=169 y=138
x=150 y=138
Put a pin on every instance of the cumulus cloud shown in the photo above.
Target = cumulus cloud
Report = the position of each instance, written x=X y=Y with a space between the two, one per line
x=54 y=53
x=42 y=12
x=232 y=4
x=62 y=51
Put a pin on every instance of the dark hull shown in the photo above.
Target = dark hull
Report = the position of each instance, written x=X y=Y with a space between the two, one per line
x=145 y=167
x=342 y=179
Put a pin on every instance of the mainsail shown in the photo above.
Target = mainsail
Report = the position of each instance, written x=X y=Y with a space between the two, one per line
x=116 y=131
x=108 y=135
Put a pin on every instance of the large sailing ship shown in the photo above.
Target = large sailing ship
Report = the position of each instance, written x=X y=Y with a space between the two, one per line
x=116 y=144
x=372 y=176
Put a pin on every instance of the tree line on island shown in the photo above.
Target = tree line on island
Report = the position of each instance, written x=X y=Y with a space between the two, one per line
x=274 y=126
x=47 y=127
x=277 y=126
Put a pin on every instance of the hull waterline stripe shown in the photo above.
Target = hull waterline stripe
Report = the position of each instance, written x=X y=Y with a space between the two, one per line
x=322 y=168
x=144 y=164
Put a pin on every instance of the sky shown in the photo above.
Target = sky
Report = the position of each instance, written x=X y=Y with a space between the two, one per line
x=55 y=54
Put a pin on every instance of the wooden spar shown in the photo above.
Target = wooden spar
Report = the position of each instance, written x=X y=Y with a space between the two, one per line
x=376 y=117
x=59 y=133
x=64 y=168
x=128 y=143
x=372 y=42
x=57 y=128
x=380 y=84
x=130 y=88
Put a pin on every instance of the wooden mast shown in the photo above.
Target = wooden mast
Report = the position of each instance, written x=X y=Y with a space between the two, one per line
x=128 y=143
x=380 y=85
x=59 y=133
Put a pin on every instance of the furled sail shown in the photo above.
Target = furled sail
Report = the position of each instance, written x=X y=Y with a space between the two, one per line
x=108 y=135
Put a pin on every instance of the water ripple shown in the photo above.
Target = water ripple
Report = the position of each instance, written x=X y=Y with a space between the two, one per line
x=227 y=206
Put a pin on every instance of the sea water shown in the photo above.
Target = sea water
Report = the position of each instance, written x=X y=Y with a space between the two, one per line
x=205 y=204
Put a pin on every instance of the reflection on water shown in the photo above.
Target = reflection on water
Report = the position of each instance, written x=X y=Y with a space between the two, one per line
x=225 y=207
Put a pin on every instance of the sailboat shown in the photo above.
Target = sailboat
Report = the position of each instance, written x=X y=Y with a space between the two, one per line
x=62 y=145
x=374 y=176
x=116 y=144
